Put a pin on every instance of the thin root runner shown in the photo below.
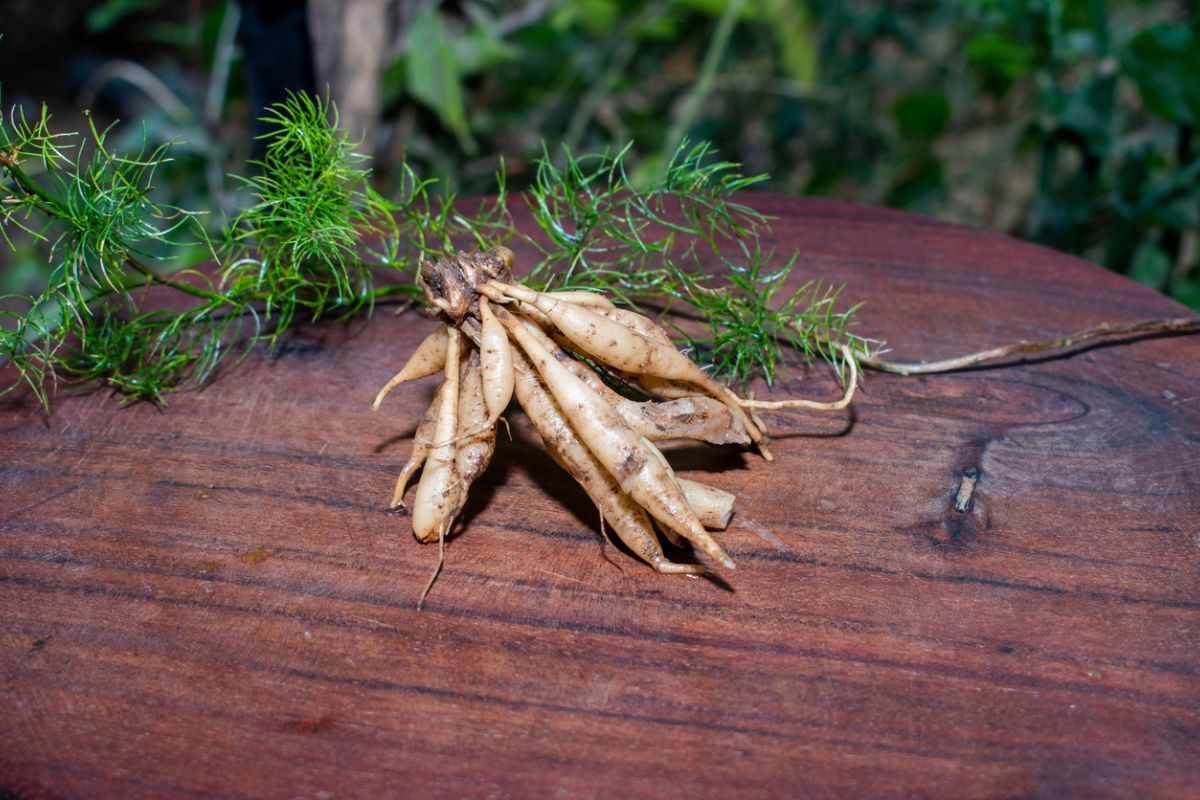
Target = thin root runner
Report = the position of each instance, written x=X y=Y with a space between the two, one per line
x=1104 y=330
x=499 y=339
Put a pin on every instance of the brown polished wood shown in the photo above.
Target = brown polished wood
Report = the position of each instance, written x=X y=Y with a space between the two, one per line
x=212 y=601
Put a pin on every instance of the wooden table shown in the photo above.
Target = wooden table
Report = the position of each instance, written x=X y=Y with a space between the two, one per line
x=211 y=600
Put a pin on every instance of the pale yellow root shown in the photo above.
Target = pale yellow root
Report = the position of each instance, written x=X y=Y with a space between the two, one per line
x=630 y=458
x=495 y=362
x=470 y=457
x=616 y=345
x=660 y=387
x=496 y=387
x=428 y=358
x=604 y=334
x=440 y=494
x=627 y=519
x=478 y=442
x=1103 y=330
x=713 y=506
x=605 y=308
x=420 y=450
x=637 y=323
x=582 y=297
x=812 y=405
x=698 y=417
x=668 y=567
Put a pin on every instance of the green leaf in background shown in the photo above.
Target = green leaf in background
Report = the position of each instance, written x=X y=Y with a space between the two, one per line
x=795 y=39
x=1188 y=293
x=481 y=45
x=922 y=116
x=710 y=8
x=1085 y=112
x=1074 y=122
x=788 y=22
x=1164 y=64
x=919 y=185
x=596 y=16
x=431 y=72
x=1151 y=266
x=110 y=12
x=999 y=60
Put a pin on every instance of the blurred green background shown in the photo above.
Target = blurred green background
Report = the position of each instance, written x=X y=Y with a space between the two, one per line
x=1072 y=123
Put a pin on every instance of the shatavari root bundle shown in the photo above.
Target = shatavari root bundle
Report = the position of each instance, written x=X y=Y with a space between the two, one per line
x=560 y=353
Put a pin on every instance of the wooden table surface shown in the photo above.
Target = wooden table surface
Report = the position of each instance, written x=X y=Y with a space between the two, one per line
x=212 y=601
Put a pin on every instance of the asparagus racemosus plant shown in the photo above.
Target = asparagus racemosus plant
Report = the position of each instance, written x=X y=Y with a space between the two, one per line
x=317 y=241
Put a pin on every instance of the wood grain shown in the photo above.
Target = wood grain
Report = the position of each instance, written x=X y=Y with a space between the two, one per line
x=212 y=600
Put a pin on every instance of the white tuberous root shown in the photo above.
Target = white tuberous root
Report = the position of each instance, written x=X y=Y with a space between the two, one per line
x=499 y=339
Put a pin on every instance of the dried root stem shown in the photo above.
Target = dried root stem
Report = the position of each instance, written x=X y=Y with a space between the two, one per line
x=1101 y=331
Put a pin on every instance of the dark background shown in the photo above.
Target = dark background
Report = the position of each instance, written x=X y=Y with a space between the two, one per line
x=1068 y=123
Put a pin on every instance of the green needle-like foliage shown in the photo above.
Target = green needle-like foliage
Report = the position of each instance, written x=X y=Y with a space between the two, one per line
x=106 y=242
x=683 y=239
x=150 y=353
x=316 y=238
x=313 y=205
x=294 y=254
x=603 y=233
x=748 y=326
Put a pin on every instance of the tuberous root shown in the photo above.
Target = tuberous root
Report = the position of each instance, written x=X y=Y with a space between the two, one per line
x=501 y=339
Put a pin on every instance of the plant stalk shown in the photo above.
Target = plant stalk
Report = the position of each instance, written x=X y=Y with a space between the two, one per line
x=154 y=277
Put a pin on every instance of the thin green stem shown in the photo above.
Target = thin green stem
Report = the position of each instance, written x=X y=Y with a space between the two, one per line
x=195 y=291
x=394 y=290
x=12 y=166
x=44 y=202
